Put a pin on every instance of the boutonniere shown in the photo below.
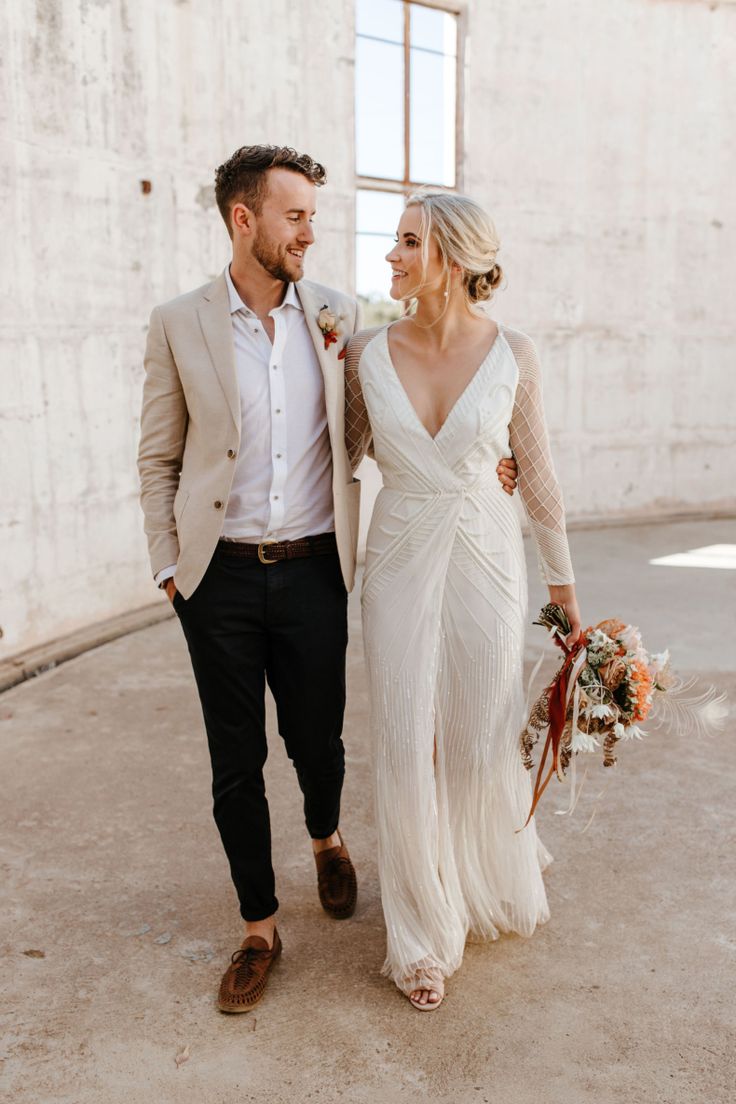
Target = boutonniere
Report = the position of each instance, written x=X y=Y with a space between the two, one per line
x=327 y=322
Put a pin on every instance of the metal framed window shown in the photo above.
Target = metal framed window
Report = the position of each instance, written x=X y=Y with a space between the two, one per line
x=407 y=121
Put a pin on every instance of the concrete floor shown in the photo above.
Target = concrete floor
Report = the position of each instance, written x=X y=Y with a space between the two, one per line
x=113 y=869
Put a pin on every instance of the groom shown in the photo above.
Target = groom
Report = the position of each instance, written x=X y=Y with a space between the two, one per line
x=251 y=513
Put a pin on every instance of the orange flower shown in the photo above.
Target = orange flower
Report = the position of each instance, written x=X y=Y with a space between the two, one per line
x=640 y=690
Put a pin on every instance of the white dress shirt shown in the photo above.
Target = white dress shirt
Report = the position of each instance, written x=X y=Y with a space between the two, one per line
x=282 y=485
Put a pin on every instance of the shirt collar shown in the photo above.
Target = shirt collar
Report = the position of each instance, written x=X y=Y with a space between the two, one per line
x=291 y=299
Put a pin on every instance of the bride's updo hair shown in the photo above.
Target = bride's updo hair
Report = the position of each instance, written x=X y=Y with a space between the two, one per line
x=465 y=236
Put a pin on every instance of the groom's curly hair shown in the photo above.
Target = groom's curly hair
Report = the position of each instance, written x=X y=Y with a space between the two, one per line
x=242 y=178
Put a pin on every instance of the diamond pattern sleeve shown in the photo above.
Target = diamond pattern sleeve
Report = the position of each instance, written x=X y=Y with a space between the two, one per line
x=538 y=485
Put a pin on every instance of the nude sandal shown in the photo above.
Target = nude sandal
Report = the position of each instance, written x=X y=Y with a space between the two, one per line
x=429 y=978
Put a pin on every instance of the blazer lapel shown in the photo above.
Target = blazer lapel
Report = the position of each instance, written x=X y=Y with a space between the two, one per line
x=214 y=318
x=327 y=357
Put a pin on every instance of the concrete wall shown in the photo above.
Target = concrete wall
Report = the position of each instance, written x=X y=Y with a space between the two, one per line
x=601 y=136
x=96 y=96
x=598 y=133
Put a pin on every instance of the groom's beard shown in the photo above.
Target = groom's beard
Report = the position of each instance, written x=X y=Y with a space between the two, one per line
x=277 y=262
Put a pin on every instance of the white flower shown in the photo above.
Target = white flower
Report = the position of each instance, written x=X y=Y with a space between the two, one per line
x=599 y=639
x=659 y=661
x=601 y=711
x=630 y=732
x=619 y=731
x=659 y=670
x=326 y=319
x=631 y=639
x=583 y=741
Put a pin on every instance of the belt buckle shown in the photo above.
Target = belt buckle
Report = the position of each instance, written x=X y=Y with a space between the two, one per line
x=261 y=556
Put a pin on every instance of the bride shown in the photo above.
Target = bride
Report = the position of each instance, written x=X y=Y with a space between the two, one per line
x=443 y=394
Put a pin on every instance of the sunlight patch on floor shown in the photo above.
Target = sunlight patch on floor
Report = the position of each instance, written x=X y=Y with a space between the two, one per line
x=721 y=556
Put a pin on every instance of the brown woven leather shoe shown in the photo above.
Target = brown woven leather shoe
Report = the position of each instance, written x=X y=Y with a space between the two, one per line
x=336 y=881
x=244 y=982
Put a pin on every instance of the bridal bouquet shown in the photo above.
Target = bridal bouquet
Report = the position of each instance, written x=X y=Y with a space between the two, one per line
x=607 y=686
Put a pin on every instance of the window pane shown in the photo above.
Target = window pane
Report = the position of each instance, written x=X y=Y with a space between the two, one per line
x=379 y=109
x=373 y=276
x=377 y=216
x=433 y=30
x=378 y=212
x=432 y=119
x=380 y=18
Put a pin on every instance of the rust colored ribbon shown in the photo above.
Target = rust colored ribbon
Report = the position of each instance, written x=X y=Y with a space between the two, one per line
x=557 y=698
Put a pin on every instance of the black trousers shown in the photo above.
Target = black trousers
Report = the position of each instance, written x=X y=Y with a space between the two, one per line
x=286 y=622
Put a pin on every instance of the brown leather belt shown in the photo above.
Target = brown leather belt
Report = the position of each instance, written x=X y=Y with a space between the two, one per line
x=269 y=552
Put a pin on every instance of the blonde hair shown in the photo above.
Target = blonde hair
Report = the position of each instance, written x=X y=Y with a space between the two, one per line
x=465 y=236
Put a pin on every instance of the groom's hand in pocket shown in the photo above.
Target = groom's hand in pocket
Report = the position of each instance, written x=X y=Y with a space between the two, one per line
x=508 y=473
x=170 y=589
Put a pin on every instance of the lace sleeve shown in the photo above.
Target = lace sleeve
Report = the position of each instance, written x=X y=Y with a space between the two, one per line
x=357 y=424
x=540 y=491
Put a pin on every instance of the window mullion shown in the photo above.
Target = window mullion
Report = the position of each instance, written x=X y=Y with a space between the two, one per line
x=407 y=92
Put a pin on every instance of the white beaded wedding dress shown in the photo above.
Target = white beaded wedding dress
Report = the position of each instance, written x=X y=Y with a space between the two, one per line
x=444 y=609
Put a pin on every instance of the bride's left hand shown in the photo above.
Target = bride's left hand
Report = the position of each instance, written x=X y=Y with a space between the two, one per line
x=565 y=596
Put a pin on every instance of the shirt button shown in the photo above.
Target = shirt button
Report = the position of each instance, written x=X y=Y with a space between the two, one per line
x=218 y=504
x=275 y=498
x=275 y=367
x=277 y=410
x=231 y=453
x=278 y=455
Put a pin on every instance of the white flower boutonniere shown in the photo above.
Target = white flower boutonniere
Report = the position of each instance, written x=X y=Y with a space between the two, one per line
x=327 y=321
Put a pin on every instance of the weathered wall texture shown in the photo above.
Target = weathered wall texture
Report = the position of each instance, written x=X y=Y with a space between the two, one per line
x=601 y=136
x=598 y=134
x=96 y=96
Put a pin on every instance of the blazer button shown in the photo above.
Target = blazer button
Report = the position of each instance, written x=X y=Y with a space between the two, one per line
x=231 y=453
x=218 y=505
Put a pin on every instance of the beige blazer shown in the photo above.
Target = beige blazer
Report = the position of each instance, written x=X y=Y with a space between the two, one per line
x=190 y=427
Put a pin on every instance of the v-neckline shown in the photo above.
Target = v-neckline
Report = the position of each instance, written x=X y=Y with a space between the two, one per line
x=434 y=438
